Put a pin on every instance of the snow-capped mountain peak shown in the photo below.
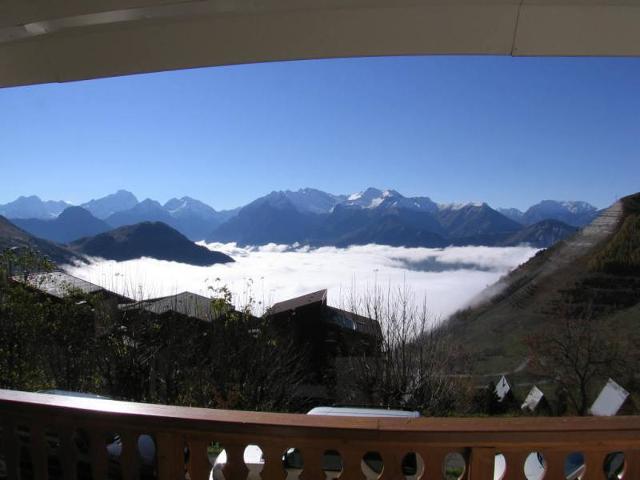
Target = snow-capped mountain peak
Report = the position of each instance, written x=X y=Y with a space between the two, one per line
x=459 y=206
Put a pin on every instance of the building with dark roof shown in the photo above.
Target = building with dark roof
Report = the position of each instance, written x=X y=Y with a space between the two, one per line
x=315 y=305
x=326 y=335
x=187 y=304
x=59 y=284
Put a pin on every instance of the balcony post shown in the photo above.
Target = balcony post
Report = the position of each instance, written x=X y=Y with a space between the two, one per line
x=273 y=468
x=555 y=460
x=632 y=464
x=10 y=448
x=39 y=449
x=433 y=459
x=594 y=465
x=351 y=466
x=481 y=463
x=235 y=466
x=312 y=464
x=170 y=452
x=130 y=457
x=514 y=461
x=199 y=465
x=98 y=449
x=68 y=454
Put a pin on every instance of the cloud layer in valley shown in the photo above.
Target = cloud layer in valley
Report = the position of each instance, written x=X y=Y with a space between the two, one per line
x=448 y=278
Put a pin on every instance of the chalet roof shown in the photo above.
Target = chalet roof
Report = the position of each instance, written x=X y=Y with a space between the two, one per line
x=185 y=303
x=533 y=399
x=58 y=284
x=319 y=297
x=610 y=400
x=353 y=321
x=502 y=388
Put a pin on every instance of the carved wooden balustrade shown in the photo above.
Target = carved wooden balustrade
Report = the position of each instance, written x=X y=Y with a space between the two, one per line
x=37 y=429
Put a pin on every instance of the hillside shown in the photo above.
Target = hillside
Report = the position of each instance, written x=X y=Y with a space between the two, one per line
x=72 y=224
x=12 y=236
x=148 y=239
x=595 y=270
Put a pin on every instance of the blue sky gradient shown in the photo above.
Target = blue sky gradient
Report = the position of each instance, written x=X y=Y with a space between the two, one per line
x=509 y=131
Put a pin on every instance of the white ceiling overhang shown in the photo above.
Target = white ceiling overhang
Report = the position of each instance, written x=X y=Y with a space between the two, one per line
x=45 y=41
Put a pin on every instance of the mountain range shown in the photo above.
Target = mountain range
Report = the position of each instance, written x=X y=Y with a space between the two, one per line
x=312 y=217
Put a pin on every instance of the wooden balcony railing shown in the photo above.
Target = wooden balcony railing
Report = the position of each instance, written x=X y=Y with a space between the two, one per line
x=40 y=430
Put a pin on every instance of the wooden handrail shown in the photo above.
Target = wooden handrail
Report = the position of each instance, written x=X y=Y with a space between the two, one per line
x=478 y=440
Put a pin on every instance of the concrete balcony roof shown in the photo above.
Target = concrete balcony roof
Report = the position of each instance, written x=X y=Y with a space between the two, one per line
x=43 y=41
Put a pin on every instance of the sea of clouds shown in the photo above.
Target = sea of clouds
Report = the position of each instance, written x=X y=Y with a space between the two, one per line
x=448 y=279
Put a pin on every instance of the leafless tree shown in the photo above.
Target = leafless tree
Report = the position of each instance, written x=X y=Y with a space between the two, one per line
x=416 y=359
x=578 y=350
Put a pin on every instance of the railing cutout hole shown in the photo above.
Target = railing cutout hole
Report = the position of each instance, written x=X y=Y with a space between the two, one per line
x=574 y=466
x=147 y=454
x=454 y=466
x=534 y=466
x=217 y=456
x=499 y=466
x=293 y=463
x=372 y=465
x=113 y=446
x=332 y=464
x=614 y=464
x=254 y=460
x=412 y=466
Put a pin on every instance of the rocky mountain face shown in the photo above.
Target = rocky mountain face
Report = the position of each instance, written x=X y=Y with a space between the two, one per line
x=33 y=207
x=148 y=239
x=384 y=217
x=146 y=211
x=272 y=218
x=104 y=207
x=193 y=218
x=577 y=214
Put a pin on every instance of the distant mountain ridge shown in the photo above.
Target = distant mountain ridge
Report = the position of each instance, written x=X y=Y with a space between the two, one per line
x=148 y=239
x=104 y=207
x=33 y=207
x=73 y=223
x=576 y=214
x=384 y=217
x=315 y=217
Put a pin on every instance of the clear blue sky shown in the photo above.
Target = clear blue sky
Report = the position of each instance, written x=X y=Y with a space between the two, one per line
x=509 y=131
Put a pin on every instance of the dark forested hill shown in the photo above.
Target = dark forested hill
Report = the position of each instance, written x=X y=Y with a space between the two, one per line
x=148 y=239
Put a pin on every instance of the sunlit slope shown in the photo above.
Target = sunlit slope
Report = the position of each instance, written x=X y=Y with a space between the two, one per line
x=597 y=270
